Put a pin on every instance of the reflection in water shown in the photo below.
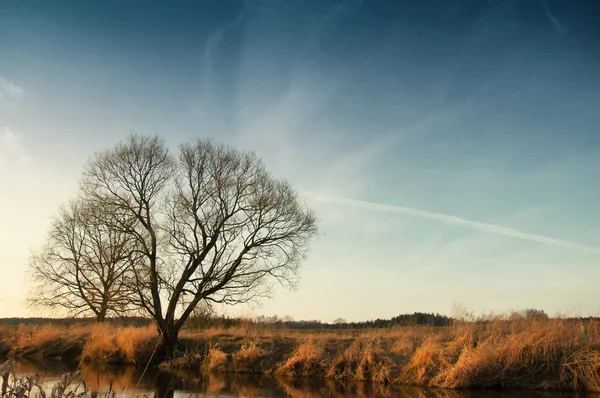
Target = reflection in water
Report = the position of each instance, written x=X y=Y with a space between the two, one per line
x=134 y=382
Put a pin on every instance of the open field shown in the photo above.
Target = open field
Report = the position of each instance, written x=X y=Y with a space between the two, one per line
x=537 y=354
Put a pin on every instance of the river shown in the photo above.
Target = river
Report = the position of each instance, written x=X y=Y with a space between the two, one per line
x=129 y=381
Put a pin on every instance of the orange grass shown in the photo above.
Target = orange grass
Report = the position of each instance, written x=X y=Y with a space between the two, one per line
x=105 y=343
x=539 y=354
x=307 y=359
x=249 y=358
x=100 y=343
x=215 y=359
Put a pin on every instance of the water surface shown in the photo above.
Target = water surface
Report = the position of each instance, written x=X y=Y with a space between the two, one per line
x=129 y=381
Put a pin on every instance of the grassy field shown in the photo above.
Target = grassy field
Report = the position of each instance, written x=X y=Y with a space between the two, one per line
x=538 y=354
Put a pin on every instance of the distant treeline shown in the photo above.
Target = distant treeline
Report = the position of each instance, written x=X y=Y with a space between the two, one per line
x=285 y=322
x=125 y=321
x=416 y=319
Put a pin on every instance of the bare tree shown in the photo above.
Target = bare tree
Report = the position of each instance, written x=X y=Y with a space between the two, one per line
x=212 y=225
x=84 y=266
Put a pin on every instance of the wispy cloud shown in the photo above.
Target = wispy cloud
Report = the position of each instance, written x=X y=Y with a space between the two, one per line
x=11 y=150
x=453 y=220
x=212 y=45
x=348 y=7
x=555 y=22
x=9 y=89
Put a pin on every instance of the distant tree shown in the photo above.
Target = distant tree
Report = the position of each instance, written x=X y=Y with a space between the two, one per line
x=212 y=225
x=202 y=316
x=287 y=319
x=515 y=316
x=339 y=321
x=461 y=313
x=534 y=314
x=84 y=266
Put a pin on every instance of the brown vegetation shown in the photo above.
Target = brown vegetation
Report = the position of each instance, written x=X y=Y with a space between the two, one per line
x=536 y=354
x=215 y=359
x=305 y=360
x=99 y=343
x=70 y=385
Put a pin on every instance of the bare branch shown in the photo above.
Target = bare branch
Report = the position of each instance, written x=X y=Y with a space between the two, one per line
x=84 y=266
x=211 y=226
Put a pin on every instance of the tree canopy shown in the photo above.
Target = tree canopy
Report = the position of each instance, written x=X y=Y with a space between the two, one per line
x=210 y=224
x=84 y=265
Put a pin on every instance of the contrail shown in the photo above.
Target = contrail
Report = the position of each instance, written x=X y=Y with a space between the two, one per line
x=557 y=25
x=453 y=220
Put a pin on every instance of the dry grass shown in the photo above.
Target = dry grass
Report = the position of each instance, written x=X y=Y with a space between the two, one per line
x=46 y=341
x=136 y=343
x=249 y=358
x=539 y=354
x=31 y=338
x=375 y=363
x=215 y=359
x=30 y=385
x=307 y=359
x=8 y=336
x=101 y=343
x=105 y=344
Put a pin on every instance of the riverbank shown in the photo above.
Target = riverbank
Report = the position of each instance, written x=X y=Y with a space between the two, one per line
x=540 y=354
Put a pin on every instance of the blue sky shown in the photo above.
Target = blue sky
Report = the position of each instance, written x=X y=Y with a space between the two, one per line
x=450 y=148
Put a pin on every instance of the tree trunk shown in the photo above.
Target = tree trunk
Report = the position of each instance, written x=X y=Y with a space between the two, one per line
x=101 y=315
x=169 y=338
